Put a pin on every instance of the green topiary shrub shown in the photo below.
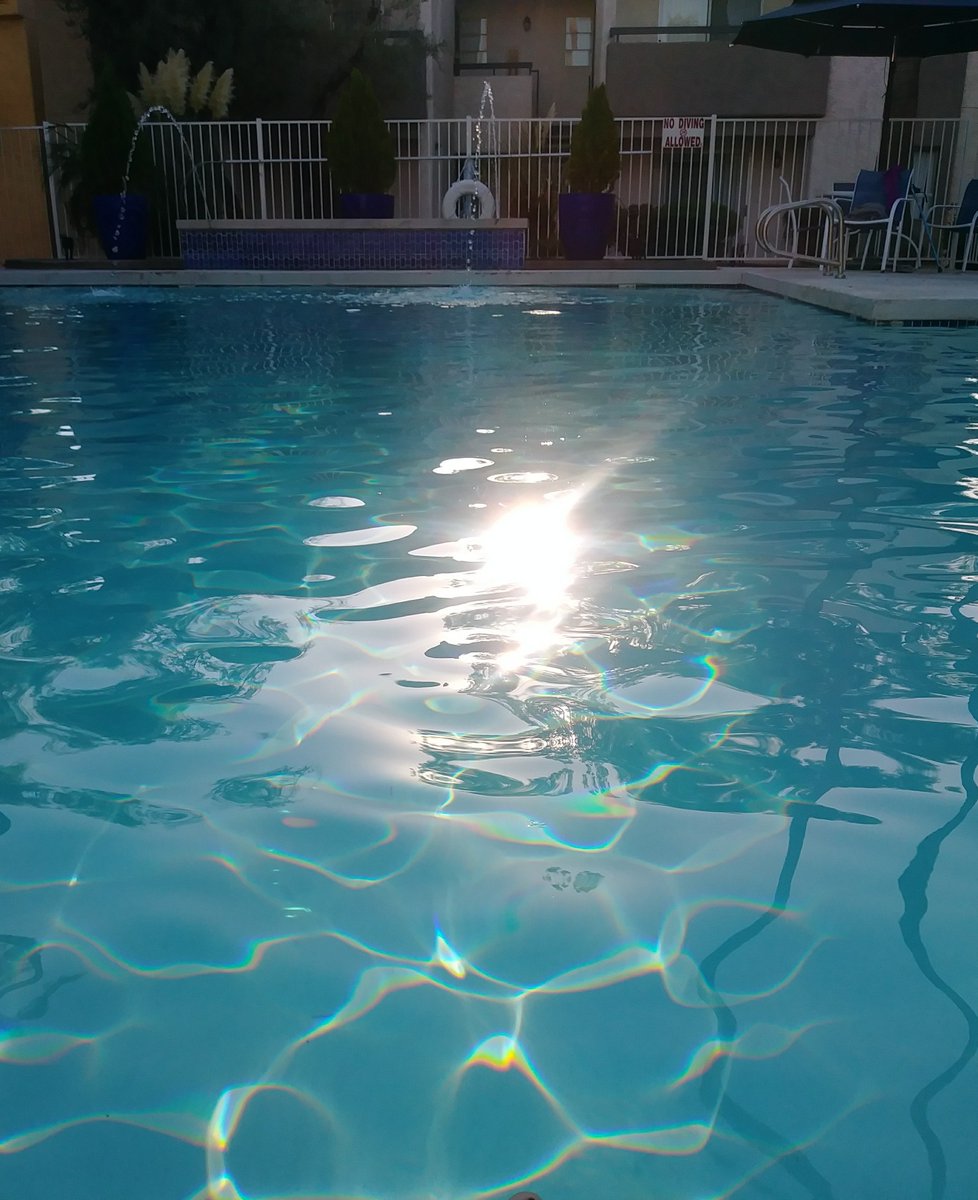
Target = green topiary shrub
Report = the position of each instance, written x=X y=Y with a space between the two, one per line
x=594 y=160
x=359 y=146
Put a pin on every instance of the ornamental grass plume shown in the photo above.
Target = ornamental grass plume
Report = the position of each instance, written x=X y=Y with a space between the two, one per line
x=200 y=88
x=173 y=79
x=147 y=86
x=220 y=97
x=171 y=85
x=149 y=91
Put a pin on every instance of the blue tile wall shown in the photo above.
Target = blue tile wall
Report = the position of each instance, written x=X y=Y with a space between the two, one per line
x=352 y=249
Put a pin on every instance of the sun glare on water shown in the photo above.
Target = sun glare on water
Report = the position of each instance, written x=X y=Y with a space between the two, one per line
x=533 y=549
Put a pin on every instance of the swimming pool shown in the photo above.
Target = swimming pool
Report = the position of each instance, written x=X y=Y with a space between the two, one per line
x=463 y=741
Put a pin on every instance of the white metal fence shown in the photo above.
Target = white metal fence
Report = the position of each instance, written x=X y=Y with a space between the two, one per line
x=696 y=202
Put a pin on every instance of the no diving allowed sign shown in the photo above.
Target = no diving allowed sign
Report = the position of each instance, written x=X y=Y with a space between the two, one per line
x=683 y=133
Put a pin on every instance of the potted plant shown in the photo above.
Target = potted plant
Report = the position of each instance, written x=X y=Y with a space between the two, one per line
x=587 y=210
x=107 y=174
x=360 y=150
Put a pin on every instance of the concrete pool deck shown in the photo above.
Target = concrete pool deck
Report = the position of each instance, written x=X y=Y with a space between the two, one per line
x=917 y=297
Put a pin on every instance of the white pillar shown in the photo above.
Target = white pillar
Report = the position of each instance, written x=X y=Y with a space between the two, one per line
x=437 y=22
x=848 y=137
x=605 y=16
x=966 y=151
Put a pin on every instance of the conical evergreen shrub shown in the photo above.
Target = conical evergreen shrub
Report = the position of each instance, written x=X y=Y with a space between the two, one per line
x=359 y=146
x=594 y=160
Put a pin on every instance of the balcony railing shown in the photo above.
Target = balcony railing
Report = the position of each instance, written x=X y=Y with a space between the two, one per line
x=494 y=68
x=497 y=70
x=672 y=33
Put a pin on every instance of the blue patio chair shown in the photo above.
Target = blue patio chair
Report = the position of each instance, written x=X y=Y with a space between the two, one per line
x=879 y=206
x=963 y=225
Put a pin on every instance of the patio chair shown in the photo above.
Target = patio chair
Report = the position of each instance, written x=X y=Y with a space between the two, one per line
x=963 y=226
x=879 y=206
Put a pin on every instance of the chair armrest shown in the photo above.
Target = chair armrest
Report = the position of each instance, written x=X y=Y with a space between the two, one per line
x=939 y=208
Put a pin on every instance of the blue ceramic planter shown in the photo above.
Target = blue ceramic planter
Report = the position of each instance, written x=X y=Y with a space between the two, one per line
x=128 y=239
x=585 y=222
x=366 y=206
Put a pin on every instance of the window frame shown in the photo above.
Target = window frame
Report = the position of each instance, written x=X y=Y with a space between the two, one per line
x=578 y=42
x=465 y=39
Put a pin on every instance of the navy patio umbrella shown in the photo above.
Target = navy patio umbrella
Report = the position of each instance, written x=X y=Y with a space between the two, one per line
x=867 y=29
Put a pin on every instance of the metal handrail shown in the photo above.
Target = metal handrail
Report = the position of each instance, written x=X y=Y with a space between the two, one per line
x=494 y=68
x=837 y=224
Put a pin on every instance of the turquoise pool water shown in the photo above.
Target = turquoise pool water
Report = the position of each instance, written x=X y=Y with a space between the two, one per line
x=459 y=742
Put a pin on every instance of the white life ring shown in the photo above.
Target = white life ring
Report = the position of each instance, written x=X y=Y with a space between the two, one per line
x=468 y=187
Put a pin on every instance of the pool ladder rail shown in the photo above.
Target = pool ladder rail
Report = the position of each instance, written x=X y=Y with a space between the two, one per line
x=833 y=256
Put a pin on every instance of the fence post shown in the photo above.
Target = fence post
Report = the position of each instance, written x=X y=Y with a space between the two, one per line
x=260 y=142
x=468 y=136
x=964 y=159
x=708 y=205
x=53 y=198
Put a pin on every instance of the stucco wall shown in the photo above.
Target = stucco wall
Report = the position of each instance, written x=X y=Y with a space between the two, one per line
x=65 y=77
x=512 y=96
x=941 y=88
x=542 y=44
x=698 y=79
x=24 y=231
x=19 y=99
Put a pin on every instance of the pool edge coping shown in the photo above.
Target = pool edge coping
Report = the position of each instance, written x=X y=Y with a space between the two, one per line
x=897 y=299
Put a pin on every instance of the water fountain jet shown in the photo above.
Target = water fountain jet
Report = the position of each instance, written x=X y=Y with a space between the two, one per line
x=153 y=110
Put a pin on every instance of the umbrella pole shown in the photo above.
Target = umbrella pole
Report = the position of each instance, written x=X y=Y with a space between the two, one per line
x=881 y=165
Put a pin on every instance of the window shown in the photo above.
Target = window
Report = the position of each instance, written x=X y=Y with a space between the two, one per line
x=578 y=39
x=684 y=14
x=472 y=40
x=739 y=11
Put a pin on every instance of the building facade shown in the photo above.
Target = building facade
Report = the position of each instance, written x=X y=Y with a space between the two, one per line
x=658 y=58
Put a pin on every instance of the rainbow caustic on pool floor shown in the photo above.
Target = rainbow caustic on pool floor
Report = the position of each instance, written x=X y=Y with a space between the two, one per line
x=458 y=743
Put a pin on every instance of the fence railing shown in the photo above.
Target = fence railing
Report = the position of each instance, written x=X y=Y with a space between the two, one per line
x=692 y=197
